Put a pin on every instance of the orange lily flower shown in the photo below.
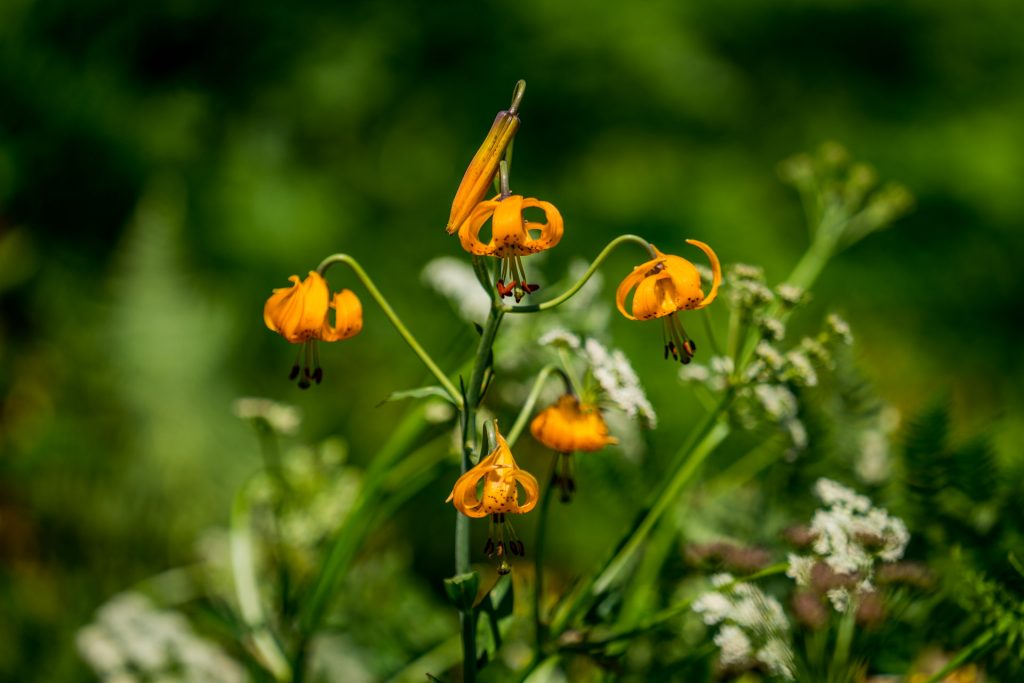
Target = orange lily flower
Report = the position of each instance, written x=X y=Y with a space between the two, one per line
x=512 y=237
x=498 y=496
x=482 y=168
x=667 y=284
x=300 y=314
x=569 y=426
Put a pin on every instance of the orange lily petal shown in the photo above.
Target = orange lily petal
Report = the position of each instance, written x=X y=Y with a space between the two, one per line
x=469 y=233
x=716 y=272
x=348 y=317
x=550 y=232
x=639 y=273
x=297 y=313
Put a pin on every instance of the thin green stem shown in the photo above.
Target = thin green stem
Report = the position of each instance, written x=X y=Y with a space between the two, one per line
x=395 y=320
x=703 y=440
x=569 y=293
x=538 y=565
x=531 y=401
x=706 y=316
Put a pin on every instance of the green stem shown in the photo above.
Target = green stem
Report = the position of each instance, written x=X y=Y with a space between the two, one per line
x=531 y=401
x=395 y=320
x=844 y=641
x=569 y=293
x=701 y=443
x=538 y=566
x=462 y=566
x=975 y=649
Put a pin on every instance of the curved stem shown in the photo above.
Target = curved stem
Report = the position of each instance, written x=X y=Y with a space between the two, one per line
x=598 y=260
x=531 y=401
x=395 y=320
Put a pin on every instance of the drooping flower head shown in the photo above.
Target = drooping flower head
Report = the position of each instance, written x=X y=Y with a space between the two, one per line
x=664 y=285
x=512 y=237
x=300 y=314
x=568 y=426
x=492 y=488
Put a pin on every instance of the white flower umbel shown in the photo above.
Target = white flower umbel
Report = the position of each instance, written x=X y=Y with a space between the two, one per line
x=619 y=381
x=282 y=418
x=133 y=640
x=456 y=281
x=559 y=337
x=850 y=537
x=752 y=626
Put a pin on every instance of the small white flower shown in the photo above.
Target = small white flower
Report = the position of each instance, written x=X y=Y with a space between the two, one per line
x=790 y=294
x=770 y=355
x=777 y=401
x=619 y=381
x=800 y=569
x=559 y=337
x=694 y=372
x=734 y=645
x=839 y=328
x=800 y=369
x=772 y=329
x=282 y=418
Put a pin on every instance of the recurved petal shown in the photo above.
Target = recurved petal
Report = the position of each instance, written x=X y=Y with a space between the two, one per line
x=550 y=232
x=469 y=233
x=530 y=488
x=348 y=317
x=716 y=272
x=507 y=230
x=464 y=493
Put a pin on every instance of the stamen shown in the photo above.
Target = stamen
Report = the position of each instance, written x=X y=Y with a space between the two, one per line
x=304 y=381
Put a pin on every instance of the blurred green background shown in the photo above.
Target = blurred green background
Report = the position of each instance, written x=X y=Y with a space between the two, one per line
x=164 y=165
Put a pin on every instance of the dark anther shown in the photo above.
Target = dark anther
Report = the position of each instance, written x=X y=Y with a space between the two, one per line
x=318 y=375
x=505 y=290
x=504 y=568
x=530 y=289
x=500 y=552
x=522 y=549
x=304 y=383
x=658 y=267
x=514 y=547
x=489 y=548
x=685 y=360
x=690 y=347
x=294 y=373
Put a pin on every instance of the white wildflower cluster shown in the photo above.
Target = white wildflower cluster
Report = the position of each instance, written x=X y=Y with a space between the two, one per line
x=132 y=641
x=838 y=328
x=455 y=280
x=752 y=626
x=772 y=329
x=282 y=418
x=850 y=538
x=619 y=381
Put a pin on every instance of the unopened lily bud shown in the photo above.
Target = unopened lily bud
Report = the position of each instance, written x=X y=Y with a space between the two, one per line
x=483 y=167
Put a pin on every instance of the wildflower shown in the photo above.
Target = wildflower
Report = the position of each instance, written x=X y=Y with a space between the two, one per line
x=667 y=284
x=569 y=426
x=752 y=626
x=511 y=237
x=619 y=381
x=455 y=280
x=501 y=478
x=850 y=536
x=484 y=165
x=300 y=314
